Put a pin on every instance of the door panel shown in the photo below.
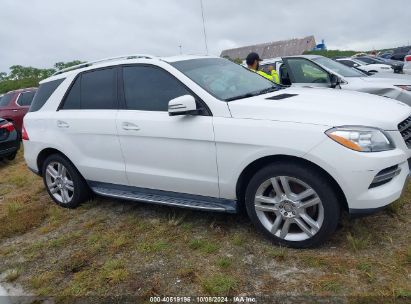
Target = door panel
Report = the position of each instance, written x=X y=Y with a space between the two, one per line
x=171 y=153
x=86 y=124
x=90 y=140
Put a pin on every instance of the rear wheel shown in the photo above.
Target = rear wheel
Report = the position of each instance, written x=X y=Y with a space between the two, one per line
x=292 y=205
x=63 y=182
x=12 y=156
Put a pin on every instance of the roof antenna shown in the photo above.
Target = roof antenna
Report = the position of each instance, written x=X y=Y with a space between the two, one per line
x=205 y=34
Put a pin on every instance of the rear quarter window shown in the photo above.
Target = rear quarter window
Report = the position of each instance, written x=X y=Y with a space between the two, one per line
x=26 y=98
x=43 y=94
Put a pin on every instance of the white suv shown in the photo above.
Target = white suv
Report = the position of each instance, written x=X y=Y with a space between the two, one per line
x=205 y=133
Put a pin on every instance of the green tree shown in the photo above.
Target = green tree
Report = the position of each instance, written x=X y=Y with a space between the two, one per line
x=64 y=65
x=21 y=77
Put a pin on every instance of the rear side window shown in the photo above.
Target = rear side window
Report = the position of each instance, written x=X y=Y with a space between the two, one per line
x=26 y=98
x=93 y=90
x=5 y=100
x=150 y=89
x=43 y=94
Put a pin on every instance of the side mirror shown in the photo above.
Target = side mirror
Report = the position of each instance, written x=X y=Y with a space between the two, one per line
x=183 y=105
x=335 y=81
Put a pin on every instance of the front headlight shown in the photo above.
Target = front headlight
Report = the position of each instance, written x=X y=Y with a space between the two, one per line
x=404 y=87
x=362 y=139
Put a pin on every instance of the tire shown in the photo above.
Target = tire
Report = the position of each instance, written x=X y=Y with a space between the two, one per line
x=11 y=156
x=311 y=203
x=64 y=184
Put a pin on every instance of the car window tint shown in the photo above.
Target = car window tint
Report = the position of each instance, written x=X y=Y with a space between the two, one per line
x=150 y=89
x=347 y=62
x=5 y=100
x=26 y=98
x=43 y=94
x=304 y=71
x=99 y=89
x=72 y=100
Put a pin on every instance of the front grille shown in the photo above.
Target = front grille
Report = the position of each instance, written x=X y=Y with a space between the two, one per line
x=405 y=130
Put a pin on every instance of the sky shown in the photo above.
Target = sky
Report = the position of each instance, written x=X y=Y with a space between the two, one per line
x=40 y=33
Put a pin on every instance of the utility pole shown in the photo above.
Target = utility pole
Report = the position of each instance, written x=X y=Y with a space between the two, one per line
x=205 y=34
x=181 y=49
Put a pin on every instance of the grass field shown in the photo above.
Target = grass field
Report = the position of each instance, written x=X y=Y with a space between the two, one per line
x=109 y=247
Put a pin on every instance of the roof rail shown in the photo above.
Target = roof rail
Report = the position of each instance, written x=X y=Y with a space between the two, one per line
x=90 y=63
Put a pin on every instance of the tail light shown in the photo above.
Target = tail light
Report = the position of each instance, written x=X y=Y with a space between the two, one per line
x=408 y=58
x=24 y=134
x=8 y=126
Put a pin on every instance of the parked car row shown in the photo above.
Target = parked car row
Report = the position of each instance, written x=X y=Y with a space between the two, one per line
x=15 y=104
x=207 y=134
x=370 y=65
x=13 y=107
x=319 y=71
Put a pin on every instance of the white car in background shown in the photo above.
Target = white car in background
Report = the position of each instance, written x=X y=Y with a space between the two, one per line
x=407 y=64
x=367 y=67
x=205 y=133
x=319 y=71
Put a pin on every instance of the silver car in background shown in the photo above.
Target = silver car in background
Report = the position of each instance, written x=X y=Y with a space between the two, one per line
x=320 y=71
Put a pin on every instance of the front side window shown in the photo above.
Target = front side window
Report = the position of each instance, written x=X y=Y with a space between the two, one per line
x=95 y=90
x=26 y=98
x=304 y=71
x=366 y=60
x=99 y=89
x=148 y=88
x=348 y=63
x=224 y=79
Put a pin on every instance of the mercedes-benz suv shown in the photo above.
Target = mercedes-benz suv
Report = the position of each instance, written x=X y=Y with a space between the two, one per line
x=205 y=133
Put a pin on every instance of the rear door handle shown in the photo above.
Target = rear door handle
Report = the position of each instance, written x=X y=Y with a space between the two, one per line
x=62 y=124
x=128 y=126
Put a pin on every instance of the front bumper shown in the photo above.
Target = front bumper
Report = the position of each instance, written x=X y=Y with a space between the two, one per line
x=355 y=172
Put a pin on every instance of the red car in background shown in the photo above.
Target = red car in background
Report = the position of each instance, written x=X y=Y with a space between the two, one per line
x=15 y=104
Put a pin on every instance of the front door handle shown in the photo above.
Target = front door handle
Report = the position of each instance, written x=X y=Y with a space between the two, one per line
x=15 y=110
x=128 y=126
x=62 y=124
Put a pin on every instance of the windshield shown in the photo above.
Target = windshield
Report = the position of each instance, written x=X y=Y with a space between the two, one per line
x=338 y=68
x=224 y=79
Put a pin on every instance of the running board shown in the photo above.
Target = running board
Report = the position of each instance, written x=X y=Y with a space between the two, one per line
x=164 y=197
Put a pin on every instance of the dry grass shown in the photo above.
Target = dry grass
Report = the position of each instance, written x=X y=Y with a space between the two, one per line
x=109 y=247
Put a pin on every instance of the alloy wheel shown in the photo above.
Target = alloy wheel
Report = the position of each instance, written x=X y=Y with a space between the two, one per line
x=59 y=182
x=289 y=208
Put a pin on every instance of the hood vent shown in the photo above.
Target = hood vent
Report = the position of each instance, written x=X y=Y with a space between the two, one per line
x=281 y=96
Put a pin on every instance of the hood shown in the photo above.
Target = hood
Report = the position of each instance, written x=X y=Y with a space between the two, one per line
x=389 y=78
x=326 y=107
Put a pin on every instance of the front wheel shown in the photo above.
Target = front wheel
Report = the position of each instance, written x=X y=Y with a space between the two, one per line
x=292 y=204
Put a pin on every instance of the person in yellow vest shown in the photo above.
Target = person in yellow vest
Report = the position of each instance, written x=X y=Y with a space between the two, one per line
x=253 y=63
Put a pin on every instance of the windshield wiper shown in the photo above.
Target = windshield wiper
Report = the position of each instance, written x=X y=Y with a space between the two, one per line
x=240 y=96
x=252 y=94
x=269 y=90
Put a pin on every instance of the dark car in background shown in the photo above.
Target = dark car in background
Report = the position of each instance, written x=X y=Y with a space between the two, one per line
x=15 y=104
x=9 y=140
x=395 y=64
